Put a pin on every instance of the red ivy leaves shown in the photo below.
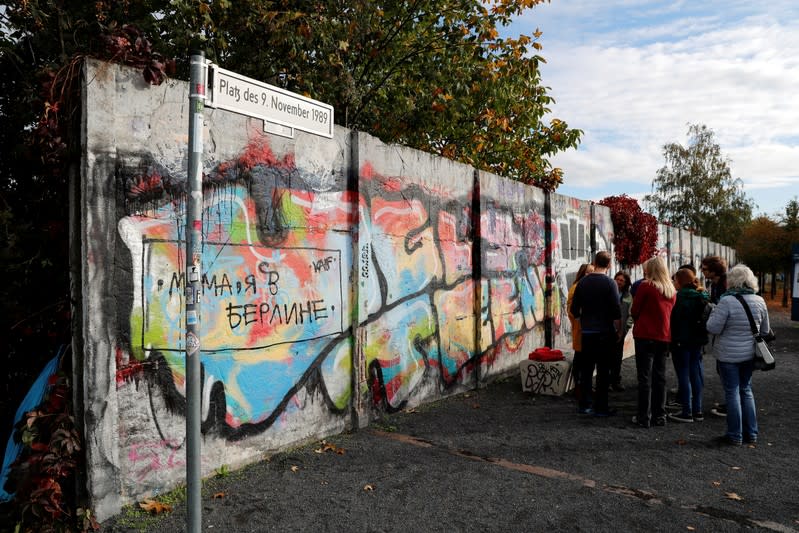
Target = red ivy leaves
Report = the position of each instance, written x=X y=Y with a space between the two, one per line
x=635 y=232
x=42 y=476
x=129 y=46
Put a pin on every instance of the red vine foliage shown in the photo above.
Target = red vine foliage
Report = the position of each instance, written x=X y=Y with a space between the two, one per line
x=43 y=476
x=126 y=45
x=635 y=232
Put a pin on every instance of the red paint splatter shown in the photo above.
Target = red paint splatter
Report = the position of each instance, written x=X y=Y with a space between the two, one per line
x=129 y=372
x=367 y=171
x=147 y=184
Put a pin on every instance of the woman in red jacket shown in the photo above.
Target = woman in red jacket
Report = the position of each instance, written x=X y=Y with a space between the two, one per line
x=651 y=311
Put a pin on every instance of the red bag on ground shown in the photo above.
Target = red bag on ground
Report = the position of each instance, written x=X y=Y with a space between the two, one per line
x=546 y=354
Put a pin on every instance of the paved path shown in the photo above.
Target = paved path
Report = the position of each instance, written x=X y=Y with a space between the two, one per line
x=499 y=459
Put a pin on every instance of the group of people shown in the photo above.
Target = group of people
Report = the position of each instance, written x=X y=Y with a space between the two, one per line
x=669 y=315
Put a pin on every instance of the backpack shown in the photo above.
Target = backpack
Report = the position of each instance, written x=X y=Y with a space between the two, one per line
x=706 y=310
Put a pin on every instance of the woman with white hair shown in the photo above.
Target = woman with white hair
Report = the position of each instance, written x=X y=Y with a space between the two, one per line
x=735 y=351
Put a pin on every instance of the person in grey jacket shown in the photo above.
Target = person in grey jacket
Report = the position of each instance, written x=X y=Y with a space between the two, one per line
x=735 y=351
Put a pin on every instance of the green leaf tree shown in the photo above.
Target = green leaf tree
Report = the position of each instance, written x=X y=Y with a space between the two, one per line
x=695 y=189
x=430 y=74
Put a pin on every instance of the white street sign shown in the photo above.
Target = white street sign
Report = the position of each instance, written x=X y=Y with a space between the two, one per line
x=256 y=99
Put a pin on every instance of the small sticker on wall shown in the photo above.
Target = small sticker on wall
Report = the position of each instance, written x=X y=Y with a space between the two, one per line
x=192 y=343
x=192 y=318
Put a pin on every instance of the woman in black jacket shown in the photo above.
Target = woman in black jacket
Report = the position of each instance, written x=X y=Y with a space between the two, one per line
x=688 y=335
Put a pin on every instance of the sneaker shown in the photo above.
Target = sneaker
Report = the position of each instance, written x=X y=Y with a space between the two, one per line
x=750 y=439
x=719 y=410
x=673 y=404
x=660 y=421
x=698 y=417
x=725 y=440
x=681 y=418
x=642 y=423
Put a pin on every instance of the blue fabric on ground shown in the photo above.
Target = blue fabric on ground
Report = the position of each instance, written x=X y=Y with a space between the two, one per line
x=31 y=401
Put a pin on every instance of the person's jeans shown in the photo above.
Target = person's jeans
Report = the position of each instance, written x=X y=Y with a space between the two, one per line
x=597 y=352
x=741 y=415
x=691 y=377
x=650 y=365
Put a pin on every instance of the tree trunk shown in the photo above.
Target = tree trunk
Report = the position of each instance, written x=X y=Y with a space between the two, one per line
x=774 y=284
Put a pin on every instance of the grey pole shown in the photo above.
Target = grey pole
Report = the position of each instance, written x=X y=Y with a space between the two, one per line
x=194 y=244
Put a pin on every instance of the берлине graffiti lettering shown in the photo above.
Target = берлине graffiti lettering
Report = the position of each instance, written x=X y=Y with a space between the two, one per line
x=274 y=313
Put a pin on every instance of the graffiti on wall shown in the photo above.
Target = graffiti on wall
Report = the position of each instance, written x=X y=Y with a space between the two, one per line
x=273 y=281
x=420 y=289
x=276 y=270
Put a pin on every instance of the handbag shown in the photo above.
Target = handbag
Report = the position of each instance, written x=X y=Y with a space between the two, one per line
x=763 y=358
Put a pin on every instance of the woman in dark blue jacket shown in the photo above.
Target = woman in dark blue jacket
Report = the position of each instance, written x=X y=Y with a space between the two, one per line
x=688 y=335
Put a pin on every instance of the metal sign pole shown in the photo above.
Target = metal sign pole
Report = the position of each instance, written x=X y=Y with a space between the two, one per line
x=194 y=243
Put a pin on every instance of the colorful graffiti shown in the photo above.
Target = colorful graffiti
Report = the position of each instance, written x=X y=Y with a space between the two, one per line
x=276 y=312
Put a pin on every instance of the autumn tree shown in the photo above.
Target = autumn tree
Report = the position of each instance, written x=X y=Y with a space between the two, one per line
x=430 y=74
x=765 y=246
x=434 y=75
x=635 y=232
x=695 y=189
x=761 y=245
x=790 y=224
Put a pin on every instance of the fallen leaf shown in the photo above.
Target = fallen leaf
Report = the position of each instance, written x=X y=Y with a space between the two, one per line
x=368 y=487
x=733 y=496
x=736 y=468
x=690 y=528
x=411 y=410
x=682 y=442
x=219 y=495
x=475 y=406
x=716 y=483
x=154 y=507
x=295 y=468
x=329 y=447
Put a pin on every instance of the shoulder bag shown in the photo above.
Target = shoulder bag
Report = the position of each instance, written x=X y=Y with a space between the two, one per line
x=763 y=358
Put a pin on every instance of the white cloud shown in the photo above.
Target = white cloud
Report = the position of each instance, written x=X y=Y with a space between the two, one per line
x=634 y=74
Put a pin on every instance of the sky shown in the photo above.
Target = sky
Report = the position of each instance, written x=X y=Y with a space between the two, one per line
x=633 y=74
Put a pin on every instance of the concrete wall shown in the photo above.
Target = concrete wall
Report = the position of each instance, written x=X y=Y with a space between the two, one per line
x=342 y=279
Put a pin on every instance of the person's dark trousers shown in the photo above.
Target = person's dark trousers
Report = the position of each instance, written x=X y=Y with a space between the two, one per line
x=615 y=365
x=577 y=363
x=650 y=364
x=678 y=370
x=597 y=352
